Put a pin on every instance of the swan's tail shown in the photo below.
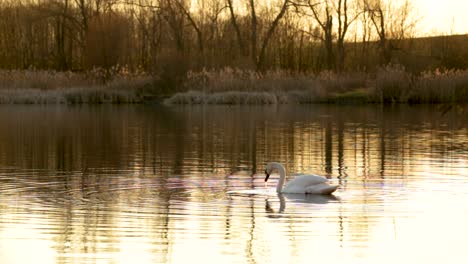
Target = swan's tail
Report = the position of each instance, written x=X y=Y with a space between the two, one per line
x=322 y=188
x=328 y=189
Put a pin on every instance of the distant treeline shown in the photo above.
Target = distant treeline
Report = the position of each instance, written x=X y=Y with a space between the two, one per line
x=173 y=36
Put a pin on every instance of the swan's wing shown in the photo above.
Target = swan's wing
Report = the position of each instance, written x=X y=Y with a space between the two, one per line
x=302 y=182
x=306 y=180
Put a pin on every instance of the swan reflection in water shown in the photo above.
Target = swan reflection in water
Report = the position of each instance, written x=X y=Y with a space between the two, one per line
x=295 y=198
x=304 y=202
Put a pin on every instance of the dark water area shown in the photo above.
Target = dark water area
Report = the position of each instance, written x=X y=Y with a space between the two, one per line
x=150 y=184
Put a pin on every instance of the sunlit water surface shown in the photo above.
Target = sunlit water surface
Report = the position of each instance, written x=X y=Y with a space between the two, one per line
x=149 y=184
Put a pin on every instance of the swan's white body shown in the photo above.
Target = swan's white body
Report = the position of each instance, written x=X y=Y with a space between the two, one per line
x=312 y=184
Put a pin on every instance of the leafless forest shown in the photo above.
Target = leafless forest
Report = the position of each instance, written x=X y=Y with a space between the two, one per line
x=151 y=35
x=171 y=39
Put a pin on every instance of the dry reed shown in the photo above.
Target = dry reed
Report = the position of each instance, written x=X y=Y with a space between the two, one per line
x=391 y=84
x=48 y=87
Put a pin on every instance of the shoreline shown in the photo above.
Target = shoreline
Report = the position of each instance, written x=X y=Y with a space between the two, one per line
x=390 y=85
x=91 y=97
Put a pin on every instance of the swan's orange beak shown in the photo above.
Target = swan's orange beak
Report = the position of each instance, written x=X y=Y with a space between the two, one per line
x=267 y=176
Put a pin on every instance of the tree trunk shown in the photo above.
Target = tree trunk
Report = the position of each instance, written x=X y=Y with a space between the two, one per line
x=269 y=33
x=253 y=32
x=234 y=23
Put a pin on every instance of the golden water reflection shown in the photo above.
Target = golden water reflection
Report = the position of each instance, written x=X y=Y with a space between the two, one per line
x=148 y=185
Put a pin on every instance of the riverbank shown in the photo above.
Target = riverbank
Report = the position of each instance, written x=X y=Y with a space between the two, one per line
x=51 y=87
x=233 y=86
x=389 y=85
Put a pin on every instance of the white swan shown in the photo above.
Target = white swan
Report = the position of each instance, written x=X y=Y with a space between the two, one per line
x=312 y=184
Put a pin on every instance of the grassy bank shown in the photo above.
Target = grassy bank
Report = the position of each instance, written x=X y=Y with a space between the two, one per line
x=49 y=87
x=391 y=84
x=231 y=86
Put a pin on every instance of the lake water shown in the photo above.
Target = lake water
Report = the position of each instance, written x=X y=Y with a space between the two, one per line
x=149 y=184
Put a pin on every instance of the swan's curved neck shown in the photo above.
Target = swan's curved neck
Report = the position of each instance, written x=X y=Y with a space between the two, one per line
x=282 y=173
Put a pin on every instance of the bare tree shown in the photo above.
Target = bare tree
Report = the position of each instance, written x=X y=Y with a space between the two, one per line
x=322 y=13
x=253 y=31
x=174 y=36
x=345 y=19
x=176 y=22
x=392 y=23
x=366 y=32
x=259 y=59
x=269 y=33
x=378 y=17
x=235 y=24
x=184 y=8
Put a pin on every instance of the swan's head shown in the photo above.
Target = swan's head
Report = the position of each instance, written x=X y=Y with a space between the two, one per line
x=267 y=175
x=270 y=167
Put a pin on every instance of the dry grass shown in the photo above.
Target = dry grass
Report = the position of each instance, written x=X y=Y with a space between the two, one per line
x=440 y=87
x=229 y=79
x=246 y=98
x=390 y=84
x=234 y=86
x=48 y=87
